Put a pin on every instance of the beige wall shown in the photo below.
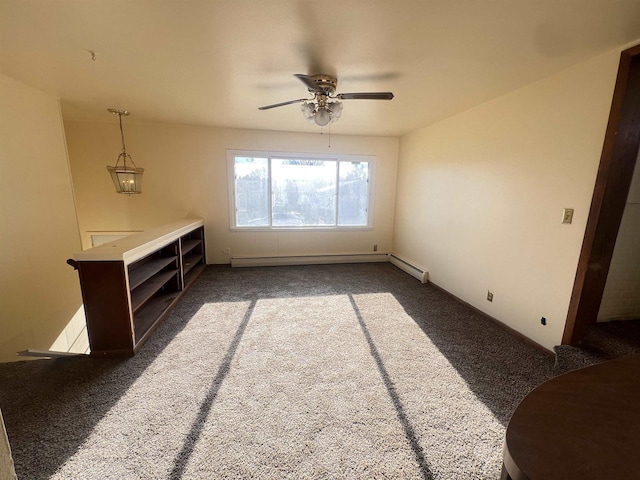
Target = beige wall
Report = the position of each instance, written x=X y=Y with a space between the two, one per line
x=39 y=292
x=186 y=175
x=621 y=297
x=481 y=194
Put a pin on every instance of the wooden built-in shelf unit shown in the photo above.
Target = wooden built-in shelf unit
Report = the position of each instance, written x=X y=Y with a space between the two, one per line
x=130 y=284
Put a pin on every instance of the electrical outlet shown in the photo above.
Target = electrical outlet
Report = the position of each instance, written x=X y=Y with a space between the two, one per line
x=490 y=296
x=226 y=251
x=543 y=321
x=567 y=215
x=375 y=247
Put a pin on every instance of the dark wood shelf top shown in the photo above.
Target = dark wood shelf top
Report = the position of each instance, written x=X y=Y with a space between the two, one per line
x=190 y=244
x=145 y=291
x=143 y=273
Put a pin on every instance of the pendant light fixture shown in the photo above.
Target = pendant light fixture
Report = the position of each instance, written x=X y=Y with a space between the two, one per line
x=126 y=178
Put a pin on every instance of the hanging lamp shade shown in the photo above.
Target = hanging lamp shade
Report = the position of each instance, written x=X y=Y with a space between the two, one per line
x=127 y=178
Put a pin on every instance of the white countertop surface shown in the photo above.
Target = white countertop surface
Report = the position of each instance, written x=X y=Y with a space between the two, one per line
x=134 y=247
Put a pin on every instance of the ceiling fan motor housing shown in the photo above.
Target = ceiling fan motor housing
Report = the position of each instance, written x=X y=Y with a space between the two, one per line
x=326 y=82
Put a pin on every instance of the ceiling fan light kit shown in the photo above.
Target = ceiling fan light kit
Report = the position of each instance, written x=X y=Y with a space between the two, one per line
x=322 y=113
x=321 y=110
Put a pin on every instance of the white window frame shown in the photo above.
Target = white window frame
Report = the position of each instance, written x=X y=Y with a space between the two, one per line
x=232 y=154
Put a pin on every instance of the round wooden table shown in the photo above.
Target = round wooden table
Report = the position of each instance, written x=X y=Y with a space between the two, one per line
x=582 y=425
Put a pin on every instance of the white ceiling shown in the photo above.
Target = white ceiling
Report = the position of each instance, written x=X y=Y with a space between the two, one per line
x=215 y=62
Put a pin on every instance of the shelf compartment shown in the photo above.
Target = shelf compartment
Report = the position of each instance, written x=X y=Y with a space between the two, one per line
x=190 y=244
x=147 y=317
x=190 y=261
x=143 y=273
x=145 y=291
x=190 y=277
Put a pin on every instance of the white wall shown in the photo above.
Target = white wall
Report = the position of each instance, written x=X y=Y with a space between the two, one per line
x=621 y=297
x=186 y=175
x=481 y=194
x=40 y=301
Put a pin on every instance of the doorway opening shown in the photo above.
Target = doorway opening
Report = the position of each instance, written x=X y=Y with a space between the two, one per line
x=617 y=163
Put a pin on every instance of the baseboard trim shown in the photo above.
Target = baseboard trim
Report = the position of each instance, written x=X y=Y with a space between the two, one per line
x=29 y=352
x=308 y=259
x=515 y=333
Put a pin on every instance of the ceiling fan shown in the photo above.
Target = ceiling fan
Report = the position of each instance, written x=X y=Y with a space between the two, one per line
x=320 y=109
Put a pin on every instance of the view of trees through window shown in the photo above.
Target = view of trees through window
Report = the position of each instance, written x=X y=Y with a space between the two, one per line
x=287 y=192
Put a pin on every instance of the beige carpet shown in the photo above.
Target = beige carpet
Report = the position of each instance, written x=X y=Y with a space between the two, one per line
x=343 y=371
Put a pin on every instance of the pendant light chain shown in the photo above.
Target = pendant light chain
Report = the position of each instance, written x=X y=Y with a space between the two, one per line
x=124 y=149
x=124 y=155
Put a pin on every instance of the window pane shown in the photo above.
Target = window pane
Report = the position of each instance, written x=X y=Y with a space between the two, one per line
x=304 y=192
x=354 y=194
x=252 y=191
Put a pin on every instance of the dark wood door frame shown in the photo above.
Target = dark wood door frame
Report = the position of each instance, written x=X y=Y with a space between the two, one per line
x=619 y=153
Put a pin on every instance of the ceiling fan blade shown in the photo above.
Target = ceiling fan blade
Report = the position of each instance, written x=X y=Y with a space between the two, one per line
x=365 y=96
x=267 y=107
x=309 y=81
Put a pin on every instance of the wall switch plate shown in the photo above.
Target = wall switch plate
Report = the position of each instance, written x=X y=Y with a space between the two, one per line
x=490 y=296
x=567 y=215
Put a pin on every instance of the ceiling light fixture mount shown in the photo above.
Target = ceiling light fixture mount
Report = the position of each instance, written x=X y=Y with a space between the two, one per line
x=126 y=178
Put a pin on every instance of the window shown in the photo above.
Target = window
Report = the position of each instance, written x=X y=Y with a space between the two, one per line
x=276 y=191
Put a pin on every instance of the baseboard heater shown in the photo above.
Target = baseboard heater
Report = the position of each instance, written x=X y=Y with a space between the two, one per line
x=308 y=259
x=410 y=268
